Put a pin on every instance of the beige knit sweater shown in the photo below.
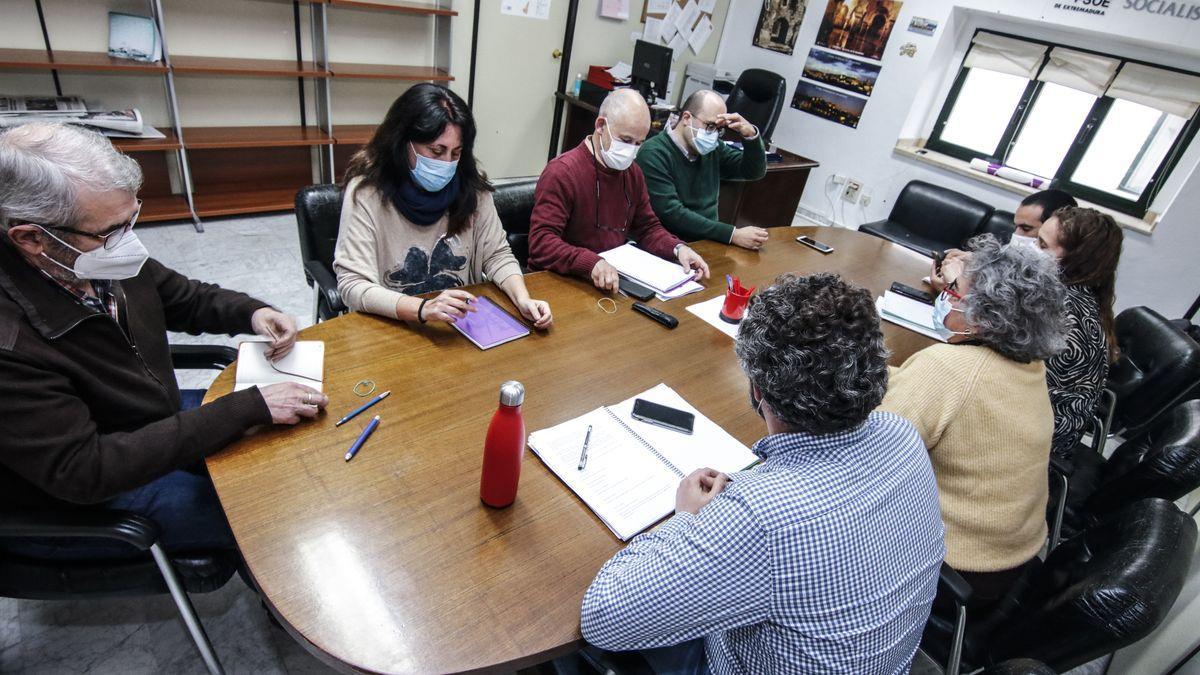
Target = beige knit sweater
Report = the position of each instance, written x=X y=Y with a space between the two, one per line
x=987 y=423
x=381 y=256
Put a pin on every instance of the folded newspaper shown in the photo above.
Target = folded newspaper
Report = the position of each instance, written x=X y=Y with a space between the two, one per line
x=42 y=105
x=115 y=123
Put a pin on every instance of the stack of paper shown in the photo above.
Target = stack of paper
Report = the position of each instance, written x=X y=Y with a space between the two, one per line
x=652 y=271
x=634 y=468
x=912 y=314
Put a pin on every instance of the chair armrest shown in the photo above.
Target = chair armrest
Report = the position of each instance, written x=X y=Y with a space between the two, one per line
x=954 y=585
x=116 y=525
x=326 y=284
x=202 y=357
x=1059 y=466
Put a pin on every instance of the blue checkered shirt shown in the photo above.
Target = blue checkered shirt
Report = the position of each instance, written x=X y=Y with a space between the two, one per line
x=822 y=559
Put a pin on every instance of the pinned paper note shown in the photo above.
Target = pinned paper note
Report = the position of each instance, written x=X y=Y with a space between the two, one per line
x=707 y=6
x=614 y=9
x=530 y=9
x=668 y=29
x=700 y=35
x=678 y=44
x=658 y=6
x=672 y=16
x=653 y=31
x=687 y=17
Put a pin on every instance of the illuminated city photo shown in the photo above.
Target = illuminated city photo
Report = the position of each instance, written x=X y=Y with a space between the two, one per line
x=841 y=72
x=832 y=105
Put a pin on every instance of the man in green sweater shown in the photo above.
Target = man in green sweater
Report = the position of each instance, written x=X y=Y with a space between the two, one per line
x=685 y=165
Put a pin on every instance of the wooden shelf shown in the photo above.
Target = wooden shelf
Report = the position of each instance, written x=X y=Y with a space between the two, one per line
x=171 y=142
x=400 y=7
x=218 y=65
x=169 y=207
x=353 y=134
x=208 y=138
x=248 y=201
x=39 y=59
x=382 y=71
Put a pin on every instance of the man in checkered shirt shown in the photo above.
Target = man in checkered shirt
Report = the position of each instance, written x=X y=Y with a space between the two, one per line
x=824 y=557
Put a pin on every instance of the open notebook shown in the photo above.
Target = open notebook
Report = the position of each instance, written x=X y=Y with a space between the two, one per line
x=651 y=271
x=305 y=365
x=634 y=468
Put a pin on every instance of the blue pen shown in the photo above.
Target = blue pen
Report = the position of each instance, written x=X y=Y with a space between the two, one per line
x=728 y=282
x=362 y=438
x=362 y=407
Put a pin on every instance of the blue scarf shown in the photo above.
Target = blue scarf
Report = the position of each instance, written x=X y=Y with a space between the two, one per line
x=421 y=207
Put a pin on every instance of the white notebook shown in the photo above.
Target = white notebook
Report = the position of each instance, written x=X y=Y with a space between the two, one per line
x=912 y=314
x=305 y=364
x=634 y=468
x=651 y=271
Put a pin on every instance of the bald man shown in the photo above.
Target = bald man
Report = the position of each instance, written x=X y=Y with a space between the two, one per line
x=593 y=198
x=685 y=166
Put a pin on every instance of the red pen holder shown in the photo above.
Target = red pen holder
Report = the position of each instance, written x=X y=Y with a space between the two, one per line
x=735 y=305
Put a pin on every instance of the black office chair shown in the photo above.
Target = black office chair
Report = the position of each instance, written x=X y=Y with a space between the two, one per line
x=928 y=218
x=1159 y=367
x=1000 y=225
x=318 y=215
x=151 y=572
x=1104 y=589
x=514 y=204
x=758 y=96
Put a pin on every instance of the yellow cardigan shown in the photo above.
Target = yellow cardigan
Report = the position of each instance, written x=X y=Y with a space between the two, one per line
x=987 y=423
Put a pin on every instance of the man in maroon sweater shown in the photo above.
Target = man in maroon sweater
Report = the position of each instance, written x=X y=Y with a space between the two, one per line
x=593 y=198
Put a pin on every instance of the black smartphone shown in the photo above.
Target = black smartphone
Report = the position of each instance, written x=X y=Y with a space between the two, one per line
x=663 y=416
x=938 y=257
x=814 y=244
x=635 y=290
x=910 y=292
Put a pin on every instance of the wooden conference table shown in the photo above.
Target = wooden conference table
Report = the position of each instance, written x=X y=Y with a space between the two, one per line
x=390 y=563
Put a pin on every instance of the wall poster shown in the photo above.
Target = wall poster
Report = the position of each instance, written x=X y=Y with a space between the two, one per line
x=859 y=27
x=779 y=24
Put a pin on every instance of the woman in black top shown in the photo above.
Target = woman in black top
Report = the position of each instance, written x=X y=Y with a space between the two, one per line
x=1087 y=244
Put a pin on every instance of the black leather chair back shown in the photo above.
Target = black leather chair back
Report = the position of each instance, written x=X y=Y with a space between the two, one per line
x=939 y=213
x=1103 y=589
x=318 y=213
x=758 y=96
x=1000 y=225
x=1163 y=461
x=1158 y=367
x=514 y=204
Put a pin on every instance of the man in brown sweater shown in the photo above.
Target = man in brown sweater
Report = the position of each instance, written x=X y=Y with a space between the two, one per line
x=593 y=198
x=91 y=409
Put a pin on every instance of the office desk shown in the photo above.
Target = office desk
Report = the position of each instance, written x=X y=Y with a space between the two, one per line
x=390 y=563
x=770 y=202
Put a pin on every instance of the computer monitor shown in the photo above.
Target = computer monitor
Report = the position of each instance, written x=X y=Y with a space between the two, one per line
x=651 y=69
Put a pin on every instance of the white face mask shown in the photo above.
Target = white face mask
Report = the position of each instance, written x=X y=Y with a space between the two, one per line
x=619 y=154
x=1018 y=240
x=122 y=261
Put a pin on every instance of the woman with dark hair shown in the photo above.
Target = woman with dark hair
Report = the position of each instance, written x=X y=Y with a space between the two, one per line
x=418 y=217
x=1087 y=245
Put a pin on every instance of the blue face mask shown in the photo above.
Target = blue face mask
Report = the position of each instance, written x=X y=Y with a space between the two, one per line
x=941 y=310
x=432 y=174
x=705 y=141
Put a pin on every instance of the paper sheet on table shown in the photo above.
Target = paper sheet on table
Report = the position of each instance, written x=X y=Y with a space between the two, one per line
x=652 y=33
x=621 y=71
x=911 y=314
x=707 y=6
x=678 y=44
x=305 y=364
x=614 y=9
x=710 y=311
x=700 y=35
x=687 y=17
x=658 y=6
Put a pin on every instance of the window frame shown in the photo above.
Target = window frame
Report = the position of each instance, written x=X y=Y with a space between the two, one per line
x=1083 y=137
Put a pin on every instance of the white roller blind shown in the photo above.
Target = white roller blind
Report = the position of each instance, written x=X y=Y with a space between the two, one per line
x=1165 y=90
x=1005 y=55
x=1090 y=73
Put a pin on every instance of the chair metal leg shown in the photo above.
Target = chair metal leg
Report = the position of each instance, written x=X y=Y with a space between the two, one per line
x=1056 y=528
x=316 y=304
x=188 y=613
x=954 y=663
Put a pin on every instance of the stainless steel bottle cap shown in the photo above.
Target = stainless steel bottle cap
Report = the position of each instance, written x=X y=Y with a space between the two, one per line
x=512 y=393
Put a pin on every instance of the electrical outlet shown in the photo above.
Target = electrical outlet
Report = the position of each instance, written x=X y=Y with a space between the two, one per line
x=865 y=199
x=839 y=179
x=851 y=191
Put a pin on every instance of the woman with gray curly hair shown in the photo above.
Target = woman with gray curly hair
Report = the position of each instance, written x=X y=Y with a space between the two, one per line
x=981 y=405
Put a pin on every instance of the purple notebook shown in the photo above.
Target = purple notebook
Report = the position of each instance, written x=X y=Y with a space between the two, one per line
x=489 y=325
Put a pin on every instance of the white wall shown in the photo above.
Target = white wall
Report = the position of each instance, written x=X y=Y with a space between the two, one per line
x=1156 y=270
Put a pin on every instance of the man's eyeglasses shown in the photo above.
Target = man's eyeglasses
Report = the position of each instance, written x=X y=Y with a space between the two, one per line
x=109 y=238
x=708 y=126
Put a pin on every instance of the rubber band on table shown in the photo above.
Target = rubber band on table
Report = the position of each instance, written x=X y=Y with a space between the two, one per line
x=604 y=309
x=368 y=385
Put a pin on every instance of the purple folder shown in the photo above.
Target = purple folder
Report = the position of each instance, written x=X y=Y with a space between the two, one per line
x=489 y=325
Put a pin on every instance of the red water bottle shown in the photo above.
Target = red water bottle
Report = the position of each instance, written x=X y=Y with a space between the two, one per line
x=504 y=448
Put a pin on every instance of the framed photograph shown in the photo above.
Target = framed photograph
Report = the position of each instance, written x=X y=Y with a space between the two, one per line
x=829 y=104
x=133 y=37
x=778 y=24
x=840 y=71
x=859 y=27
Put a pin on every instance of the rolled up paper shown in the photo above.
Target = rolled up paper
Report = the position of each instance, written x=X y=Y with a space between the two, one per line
x=1007 y=173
